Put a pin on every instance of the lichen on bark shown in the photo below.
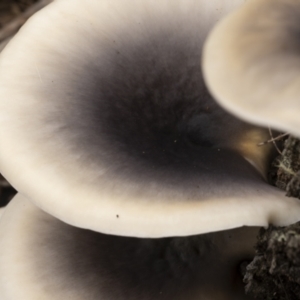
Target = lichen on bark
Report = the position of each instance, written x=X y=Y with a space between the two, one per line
x=274 y=273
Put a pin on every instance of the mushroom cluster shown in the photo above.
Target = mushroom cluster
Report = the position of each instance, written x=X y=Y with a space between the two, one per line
x=134 y=183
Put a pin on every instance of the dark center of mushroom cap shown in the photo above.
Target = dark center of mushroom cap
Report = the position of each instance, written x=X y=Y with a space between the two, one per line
x=142 y=111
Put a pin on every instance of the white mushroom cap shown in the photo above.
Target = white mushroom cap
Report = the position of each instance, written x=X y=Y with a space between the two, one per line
x=44 y=258
x=251 y=63
x=105 y=123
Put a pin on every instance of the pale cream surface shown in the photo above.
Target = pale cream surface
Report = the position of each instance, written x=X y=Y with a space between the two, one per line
x=251 y=63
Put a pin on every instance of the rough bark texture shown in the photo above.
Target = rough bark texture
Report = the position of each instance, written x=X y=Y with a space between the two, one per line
x=285 y=170
x=274 y=273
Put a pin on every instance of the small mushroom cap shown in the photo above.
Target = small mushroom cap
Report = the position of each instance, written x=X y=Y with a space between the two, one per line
x=251 y=63
x=105 y=123
x=44 y=258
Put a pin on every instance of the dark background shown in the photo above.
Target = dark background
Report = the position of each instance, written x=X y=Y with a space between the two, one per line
x=10 y=9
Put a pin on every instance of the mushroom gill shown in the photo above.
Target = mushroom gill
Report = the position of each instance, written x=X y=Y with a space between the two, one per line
x=104 y=110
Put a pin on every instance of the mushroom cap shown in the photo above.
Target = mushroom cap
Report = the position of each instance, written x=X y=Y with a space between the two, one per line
x=104 y=110
x=44 y=258
x=251 y=63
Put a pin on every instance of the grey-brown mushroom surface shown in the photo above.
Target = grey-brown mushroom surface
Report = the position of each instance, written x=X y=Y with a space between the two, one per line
x=104 y=109
x=44 y=258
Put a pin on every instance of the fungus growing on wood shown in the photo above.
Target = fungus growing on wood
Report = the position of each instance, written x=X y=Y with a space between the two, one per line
x=106 y=124
x=112 y=126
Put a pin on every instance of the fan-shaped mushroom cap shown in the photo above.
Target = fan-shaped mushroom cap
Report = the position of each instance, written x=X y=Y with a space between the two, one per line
x=44 y=258
x=105 y=123
x=252 y=63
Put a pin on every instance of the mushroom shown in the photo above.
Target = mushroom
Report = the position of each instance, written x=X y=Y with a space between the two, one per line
x=111 y=125
x=106 y=124
x=44 y=258
x=252 y=67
